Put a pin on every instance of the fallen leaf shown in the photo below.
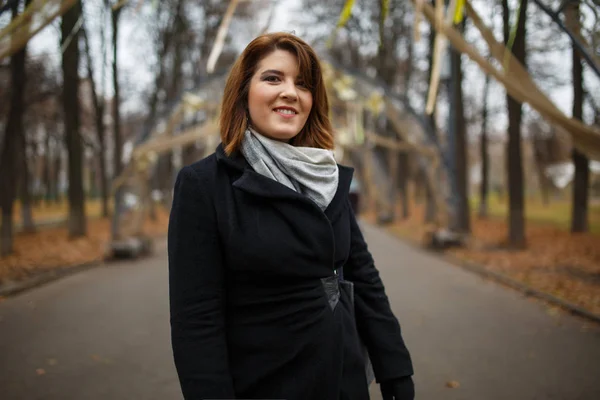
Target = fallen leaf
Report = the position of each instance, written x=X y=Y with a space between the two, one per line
x=40 y=371
x=553 y=311
x=51 y=248
x=452 y=384
x=555 y=261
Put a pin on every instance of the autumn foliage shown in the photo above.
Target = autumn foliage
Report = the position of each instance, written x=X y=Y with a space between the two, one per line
x=555 y=261
x=51 y=248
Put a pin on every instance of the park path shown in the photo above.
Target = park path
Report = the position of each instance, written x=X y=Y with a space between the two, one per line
x=103 y=334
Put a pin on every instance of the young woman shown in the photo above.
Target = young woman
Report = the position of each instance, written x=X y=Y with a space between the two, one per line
x=272 y=288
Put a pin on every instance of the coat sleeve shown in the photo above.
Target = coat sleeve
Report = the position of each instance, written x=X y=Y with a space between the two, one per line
x=196 y=292
x=375 y=321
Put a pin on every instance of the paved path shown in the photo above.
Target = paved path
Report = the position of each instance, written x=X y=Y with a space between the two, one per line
x=103 y=335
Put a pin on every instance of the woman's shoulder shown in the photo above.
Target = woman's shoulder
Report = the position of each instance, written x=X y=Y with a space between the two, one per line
x=205 y=166
x=200 y=173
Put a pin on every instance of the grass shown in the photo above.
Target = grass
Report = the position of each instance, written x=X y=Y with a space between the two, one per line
x=55 y=211
x=554 y=261
x=557 y=213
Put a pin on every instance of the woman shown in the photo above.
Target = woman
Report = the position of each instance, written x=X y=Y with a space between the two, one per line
x=261 y=233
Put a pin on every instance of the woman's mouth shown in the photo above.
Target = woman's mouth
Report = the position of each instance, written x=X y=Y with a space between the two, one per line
x=285 y=112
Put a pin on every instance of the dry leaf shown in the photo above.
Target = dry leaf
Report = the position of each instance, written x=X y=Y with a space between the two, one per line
x=553 y=311
x=452 y=384
x=51 y=248
x=40 y=371
x=555 y=261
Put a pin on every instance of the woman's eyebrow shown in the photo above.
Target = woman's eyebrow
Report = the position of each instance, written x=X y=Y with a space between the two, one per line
x=272 y=71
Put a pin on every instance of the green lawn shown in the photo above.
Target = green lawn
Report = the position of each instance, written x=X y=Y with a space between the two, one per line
x=557 y=213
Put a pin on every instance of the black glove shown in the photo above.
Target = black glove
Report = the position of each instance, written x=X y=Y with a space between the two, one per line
x=398 y=389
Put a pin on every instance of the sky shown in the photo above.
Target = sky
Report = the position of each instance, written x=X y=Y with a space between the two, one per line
x=134 y=46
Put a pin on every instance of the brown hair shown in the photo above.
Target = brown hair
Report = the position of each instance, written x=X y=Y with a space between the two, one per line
x=316 y=132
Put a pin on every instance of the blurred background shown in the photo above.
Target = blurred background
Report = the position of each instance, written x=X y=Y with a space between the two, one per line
x=473 y=127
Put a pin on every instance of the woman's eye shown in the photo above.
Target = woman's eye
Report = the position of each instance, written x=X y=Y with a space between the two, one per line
x=272 y=78
x=301 y=84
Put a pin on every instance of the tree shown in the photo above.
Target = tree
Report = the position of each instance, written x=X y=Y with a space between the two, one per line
x=24 y=184
x=392 y=71
x=99 y=106
x=70 y=100
x=430 y=206
x=516 y=193
x=12 y=142
x=484 y=188
x=457 y=137
x=117 y=139
x=581 y=181
x=174 y=87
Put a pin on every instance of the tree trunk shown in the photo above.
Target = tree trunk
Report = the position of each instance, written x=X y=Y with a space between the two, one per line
x=484 y=187
x=159 y=81
x=386 y=71
x=404 y=157
x=581 y=181
x=9 y=154
x=47 y=177
x=542 y=154
x=457 y=132
x=99 y=122
x=117 y=154
x=70 y=68
x=58 y=162
x=174 y=88
x=403 y=178
x=55 y=161
x=544 y=183
x=118 y=140
x=430 y=206
x=24 y=193
x=516 y=194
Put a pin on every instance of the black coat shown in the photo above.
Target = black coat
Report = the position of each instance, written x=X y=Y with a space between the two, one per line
x=249 y=315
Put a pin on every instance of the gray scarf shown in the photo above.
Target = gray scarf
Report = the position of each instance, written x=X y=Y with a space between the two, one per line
x=306 y=170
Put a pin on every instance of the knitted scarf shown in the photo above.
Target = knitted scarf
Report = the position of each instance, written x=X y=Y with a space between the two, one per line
x=307 y=170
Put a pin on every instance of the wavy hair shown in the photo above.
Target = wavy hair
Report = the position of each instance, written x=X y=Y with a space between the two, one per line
x=316 y=132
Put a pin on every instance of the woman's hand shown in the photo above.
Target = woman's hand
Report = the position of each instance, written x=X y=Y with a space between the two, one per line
x=398 y=389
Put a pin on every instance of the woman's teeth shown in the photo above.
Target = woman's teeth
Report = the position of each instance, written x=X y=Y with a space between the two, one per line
x=285 y=111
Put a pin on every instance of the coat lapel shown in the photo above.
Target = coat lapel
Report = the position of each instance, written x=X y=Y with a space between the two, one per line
x=340 y=199
x=259 y=185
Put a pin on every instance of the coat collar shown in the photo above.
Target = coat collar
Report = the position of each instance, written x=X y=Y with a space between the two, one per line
x=259 y=185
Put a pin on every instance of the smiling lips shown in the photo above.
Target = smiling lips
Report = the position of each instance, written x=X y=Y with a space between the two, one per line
x=285 y=112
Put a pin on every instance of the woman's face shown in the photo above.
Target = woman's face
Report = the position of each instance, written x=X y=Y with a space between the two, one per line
x=278 y=102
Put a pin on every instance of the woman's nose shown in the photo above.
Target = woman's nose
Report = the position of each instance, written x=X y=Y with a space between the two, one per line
x=289 y=91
